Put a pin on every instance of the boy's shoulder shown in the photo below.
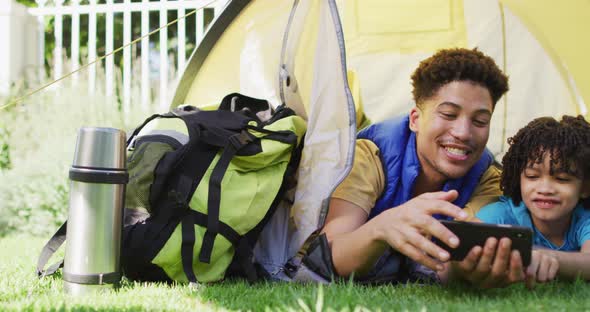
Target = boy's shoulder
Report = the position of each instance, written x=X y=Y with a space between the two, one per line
x=581 y=226
x=503 y=211
x=582 y=215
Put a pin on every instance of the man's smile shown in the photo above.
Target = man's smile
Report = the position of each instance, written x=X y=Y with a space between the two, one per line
x=456 y=151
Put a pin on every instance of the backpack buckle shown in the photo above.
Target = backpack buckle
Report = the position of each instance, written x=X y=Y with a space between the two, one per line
x=238 y=140
x=183 y=110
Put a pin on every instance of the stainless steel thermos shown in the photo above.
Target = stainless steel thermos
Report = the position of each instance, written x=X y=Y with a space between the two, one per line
x=95 y=218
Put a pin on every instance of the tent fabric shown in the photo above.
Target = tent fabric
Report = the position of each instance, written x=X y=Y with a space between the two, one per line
x=384 y=54
x=324 y=164
x=306 y=53
x=558 y=27
x=246 y=57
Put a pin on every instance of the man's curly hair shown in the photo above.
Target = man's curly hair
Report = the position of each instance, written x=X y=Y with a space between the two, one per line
x=457 y=64
x=567 y=140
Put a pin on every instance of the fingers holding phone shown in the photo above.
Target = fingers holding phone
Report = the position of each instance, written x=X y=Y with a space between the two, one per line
x=489 y=255
x=505 y=268
x=409 y=227
x=494 y=265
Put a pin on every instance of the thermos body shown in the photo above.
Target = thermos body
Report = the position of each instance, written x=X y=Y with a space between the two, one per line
x=95 y=217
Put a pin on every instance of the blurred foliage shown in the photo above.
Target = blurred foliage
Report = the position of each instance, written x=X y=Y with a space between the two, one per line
x=29 y=3
x=154 y=23
x=4 y=150
x=41 y=135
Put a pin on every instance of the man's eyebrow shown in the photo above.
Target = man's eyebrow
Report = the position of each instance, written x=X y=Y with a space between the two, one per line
x=532 y=167
x=454 y=105
x=459 y=107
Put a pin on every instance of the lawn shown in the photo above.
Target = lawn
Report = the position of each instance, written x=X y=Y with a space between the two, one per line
x=21 y=290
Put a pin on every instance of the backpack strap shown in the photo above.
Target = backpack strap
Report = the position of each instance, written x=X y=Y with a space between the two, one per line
x=152 y=117
x=243 y=250
x=233 y=144
x=49 y=249
x=175 y=178
x=187 y=247
x=282 y=136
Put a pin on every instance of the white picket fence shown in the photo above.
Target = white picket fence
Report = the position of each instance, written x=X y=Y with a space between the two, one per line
x=92 y=8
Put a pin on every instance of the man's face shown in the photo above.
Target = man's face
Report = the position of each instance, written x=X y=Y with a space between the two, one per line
x=452 y=129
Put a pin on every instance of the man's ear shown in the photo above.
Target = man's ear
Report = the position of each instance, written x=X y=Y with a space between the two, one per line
x=414 y=116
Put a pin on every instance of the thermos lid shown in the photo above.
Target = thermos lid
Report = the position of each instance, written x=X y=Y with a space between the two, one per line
x=100 y=148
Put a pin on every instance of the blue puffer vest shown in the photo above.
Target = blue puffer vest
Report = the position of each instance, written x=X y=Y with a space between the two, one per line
x=397 y=146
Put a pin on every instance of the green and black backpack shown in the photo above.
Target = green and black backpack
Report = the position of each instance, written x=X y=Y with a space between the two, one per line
x=196 y=203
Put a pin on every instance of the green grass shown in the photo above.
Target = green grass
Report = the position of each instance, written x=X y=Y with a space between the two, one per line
x=21 y=290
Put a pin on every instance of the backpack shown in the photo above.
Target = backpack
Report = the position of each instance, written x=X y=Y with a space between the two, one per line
x=209 y=195
x=195 y=204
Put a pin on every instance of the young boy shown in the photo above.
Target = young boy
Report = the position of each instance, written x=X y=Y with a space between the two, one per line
x=545 y=176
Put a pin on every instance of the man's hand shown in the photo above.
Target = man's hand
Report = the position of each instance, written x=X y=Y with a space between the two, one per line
x=543 y=268
x=494 y=265
x=408 y=227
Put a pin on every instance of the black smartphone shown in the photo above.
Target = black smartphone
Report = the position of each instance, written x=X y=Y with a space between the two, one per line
x=473 y=234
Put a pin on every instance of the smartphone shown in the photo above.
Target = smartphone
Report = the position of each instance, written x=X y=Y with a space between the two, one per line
x=473 y=234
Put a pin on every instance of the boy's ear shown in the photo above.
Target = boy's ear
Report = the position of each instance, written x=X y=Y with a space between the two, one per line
x=414 y=116
x=585 y=192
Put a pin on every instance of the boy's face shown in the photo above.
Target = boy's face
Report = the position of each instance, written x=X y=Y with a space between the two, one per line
x=549 y=198
x=452 y=129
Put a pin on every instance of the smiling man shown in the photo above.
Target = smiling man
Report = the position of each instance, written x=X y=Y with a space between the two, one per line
x=431 y=164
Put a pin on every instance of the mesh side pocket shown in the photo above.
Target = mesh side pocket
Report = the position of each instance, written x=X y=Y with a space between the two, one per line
x=141 y=165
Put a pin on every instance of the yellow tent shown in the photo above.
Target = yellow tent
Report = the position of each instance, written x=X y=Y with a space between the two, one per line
x=321 y=57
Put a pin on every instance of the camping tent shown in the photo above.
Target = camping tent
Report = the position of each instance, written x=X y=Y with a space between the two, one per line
x=324 y=57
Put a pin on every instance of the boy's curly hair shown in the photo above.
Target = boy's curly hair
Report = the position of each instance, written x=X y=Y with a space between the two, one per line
x=458 y=64
x=567 y=140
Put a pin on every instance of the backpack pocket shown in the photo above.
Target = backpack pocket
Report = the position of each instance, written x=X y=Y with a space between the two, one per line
x=142 y=161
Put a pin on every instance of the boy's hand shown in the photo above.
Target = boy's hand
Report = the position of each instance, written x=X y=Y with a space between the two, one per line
x=494 y=265
x=543 y=268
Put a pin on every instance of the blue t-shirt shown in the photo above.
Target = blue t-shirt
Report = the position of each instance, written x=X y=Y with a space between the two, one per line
x=505 y=212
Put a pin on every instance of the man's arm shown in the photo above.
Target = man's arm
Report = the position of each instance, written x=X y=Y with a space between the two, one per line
x=354 y=247
x=357 y=245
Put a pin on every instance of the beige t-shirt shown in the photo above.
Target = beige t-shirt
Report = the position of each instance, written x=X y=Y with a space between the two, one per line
x=366 y=181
